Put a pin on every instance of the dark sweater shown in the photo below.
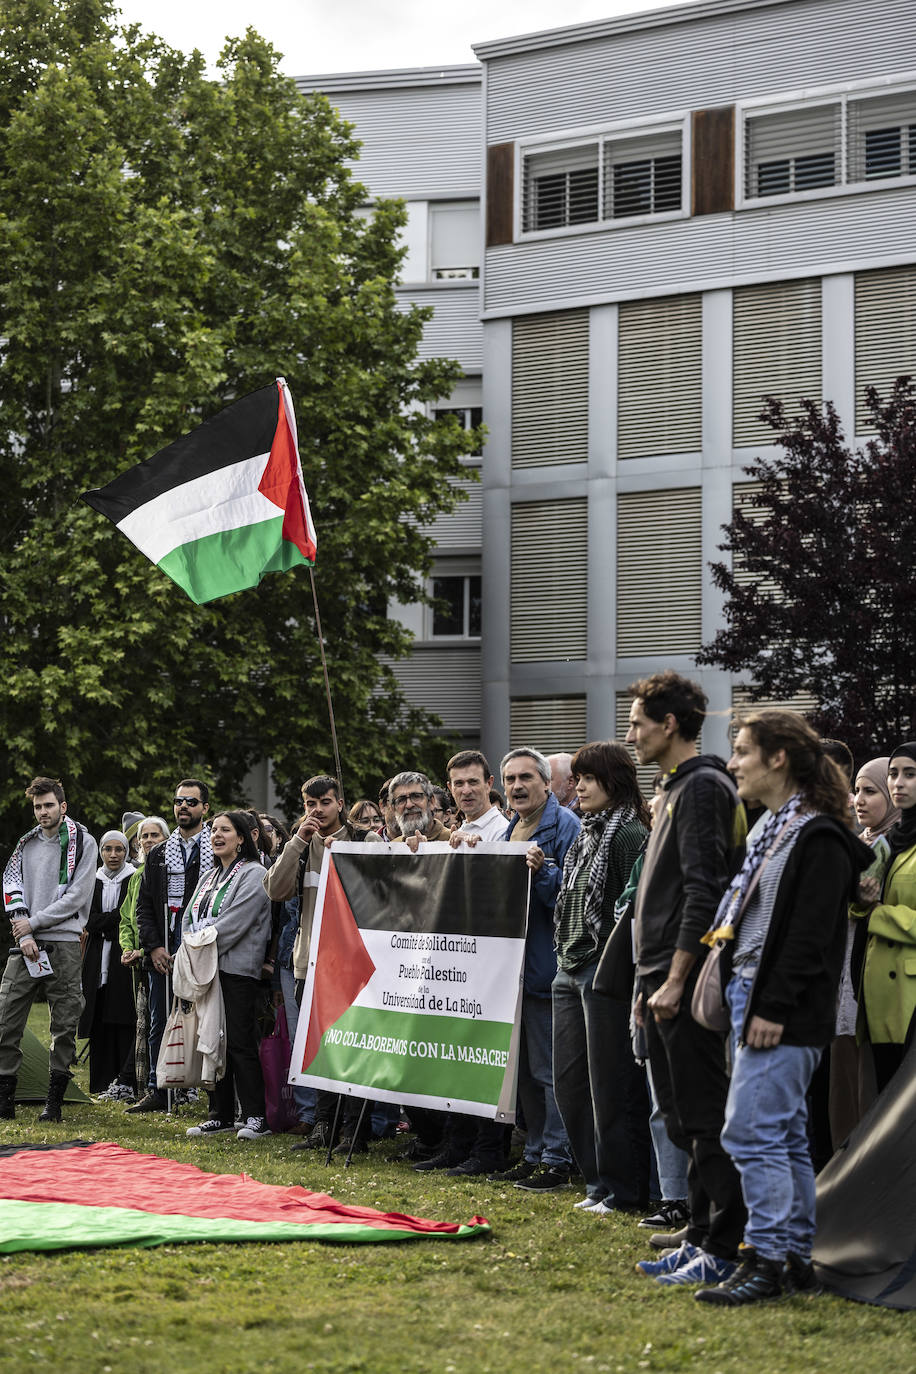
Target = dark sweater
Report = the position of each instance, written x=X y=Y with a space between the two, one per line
x=802 y=956
x=689 y=860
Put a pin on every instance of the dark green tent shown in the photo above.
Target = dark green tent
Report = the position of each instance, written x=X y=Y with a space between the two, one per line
x=32 y=1084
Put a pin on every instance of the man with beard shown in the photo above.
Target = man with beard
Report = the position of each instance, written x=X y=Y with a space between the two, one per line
x=170 y=875
x=411 y=799
x=47 y=888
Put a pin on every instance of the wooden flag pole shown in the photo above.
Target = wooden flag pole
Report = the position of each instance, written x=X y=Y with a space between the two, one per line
x=327 y=683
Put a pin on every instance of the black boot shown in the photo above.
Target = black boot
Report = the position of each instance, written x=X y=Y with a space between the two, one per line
x=57 y=1086
x=7 y=1097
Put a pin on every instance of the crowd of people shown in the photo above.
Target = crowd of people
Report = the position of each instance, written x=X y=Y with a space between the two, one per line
x=710 y=973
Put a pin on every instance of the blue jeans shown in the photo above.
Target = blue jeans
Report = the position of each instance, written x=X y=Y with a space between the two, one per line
x=671 y=1162
x=600 y=1090
x=547 y=1143
x=766 y=1135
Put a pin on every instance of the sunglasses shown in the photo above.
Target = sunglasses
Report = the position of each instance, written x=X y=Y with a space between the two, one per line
x=187 y=801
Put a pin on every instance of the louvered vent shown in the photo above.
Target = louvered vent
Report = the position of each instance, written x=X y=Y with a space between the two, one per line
x=642 y=176
x=560 y=187
x=659 y=572
x=792 y=151
x=741 y=496
x=549 y=552
x=445 y=681
x=660 y=377
x=551 y=724
x=777 y=351
x=550 y=389
x=803 y=702
x=885 y=333
x=881 y=131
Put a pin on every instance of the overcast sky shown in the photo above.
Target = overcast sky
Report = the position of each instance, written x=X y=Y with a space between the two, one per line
x=357 y=35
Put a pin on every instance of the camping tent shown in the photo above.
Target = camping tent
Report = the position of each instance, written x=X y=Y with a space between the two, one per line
x=32 y=1084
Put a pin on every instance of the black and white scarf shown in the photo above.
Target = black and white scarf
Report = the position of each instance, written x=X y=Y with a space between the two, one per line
x=175 y=864
x=592 y=846
x=13 y=900
x=785 y=819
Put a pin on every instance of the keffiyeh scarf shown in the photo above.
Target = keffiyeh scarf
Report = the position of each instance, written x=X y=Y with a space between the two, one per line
x=13 y=900
x=175 y=864
x=592 y=846
x=789 y=814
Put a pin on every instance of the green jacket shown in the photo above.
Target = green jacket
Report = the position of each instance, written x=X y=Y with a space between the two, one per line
x=887 y=998
x=128 y=934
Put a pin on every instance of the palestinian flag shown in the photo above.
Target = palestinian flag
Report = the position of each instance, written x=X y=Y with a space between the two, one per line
x=413 y=992
x=60 y=1197
x=224 y=505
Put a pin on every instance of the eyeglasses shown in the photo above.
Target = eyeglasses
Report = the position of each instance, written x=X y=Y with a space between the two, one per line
x=415 y=797
x=187 y=801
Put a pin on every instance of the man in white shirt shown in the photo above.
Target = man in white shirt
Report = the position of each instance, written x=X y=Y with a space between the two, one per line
x=470 y=780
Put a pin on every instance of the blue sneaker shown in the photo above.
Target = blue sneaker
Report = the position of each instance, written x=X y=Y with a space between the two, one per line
x=703 y=1268
x=668 y=1263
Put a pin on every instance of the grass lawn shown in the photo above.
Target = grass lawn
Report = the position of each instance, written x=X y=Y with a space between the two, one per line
x=550 y=1289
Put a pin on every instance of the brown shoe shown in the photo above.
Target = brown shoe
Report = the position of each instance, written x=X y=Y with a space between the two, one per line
x=668 y=1240
x=154 y=1101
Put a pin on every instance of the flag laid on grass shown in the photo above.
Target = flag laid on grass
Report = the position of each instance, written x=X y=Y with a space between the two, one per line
x=57 y=1197
x=223 y=506
x=413 y=993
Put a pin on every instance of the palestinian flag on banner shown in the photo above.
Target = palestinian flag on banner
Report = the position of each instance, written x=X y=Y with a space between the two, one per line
x=60 y=1197
x=413 y=992
x=223 y=506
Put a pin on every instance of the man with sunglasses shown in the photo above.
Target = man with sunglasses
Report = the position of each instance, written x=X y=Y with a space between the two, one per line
x=170 y=875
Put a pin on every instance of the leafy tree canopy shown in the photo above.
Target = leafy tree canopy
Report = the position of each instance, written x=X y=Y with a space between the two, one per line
x=820 y=589
x=167 y=244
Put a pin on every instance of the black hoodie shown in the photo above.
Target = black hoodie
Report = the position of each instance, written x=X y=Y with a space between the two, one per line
x=694 y=849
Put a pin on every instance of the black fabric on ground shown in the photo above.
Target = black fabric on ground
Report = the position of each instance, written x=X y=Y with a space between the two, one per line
x=866 y=1202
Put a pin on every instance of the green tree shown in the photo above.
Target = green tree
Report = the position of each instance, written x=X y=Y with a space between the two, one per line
x=820 y=594
x=167 y=244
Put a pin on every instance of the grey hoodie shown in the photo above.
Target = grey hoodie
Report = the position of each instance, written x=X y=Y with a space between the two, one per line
x=52 y=917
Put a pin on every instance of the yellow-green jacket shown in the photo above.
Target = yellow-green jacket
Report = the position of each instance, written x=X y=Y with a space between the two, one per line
x=887 y=997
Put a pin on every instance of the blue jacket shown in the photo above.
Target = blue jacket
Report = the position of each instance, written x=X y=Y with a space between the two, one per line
x=558 y=828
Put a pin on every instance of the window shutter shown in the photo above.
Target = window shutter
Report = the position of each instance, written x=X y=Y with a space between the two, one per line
x=713 y=161
x=885 y=333
x=644 y=772
x=659 y=572
x=881 y=132
x=549 y=552
x=551 y=724
x=741 y=501
x=802 y=702
x=500 y=192
x=793 y=150
x=642 y=175
x=454 y=237
x=777 y=351
x=560 y=187
x=550 y=389
x=659 y=375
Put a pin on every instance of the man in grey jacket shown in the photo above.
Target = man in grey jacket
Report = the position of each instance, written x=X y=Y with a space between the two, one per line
x=47 y=890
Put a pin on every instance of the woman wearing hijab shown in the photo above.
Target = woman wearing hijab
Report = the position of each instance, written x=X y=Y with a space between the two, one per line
x=887 y=997
x=109 y=1017
x=784 y=916
x=599 y=1089
x=852 y=1086
x=232 y=898
x=151 y=830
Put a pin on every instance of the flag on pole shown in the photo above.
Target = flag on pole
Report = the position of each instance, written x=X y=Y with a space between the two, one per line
x=224 y=505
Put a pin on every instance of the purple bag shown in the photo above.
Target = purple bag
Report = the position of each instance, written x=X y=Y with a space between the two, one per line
x=274 y=1053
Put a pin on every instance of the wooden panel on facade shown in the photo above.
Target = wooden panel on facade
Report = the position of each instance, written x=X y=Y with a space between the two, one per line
x=500 y=192
x=713 y=161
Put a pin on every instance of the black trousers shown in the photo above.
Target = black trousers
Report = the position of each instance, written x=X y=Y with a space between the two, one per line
x=241 y=999
x=691 y=1084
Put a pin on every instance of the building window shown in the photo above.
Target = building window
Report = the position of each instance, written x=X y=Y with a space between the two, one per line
x=606 y=179
x=454 y=240
x=468 y=417
x=844 y=139
x=458 y=614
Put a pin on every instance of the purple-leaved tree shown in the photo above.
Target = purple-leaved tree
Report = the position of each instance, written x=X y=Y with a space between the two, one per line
x=820 y=591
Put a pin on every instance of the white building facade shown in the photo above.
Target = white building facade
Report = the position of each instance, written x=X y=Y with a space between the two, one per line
x=685 y=210
x=422 y=136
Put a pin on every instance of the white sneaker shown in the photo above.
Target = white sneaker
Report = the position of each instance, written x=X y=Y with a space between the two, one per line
x=586 y=1204
x=210 y=1128
x=255 y=1127
x=602 y=1209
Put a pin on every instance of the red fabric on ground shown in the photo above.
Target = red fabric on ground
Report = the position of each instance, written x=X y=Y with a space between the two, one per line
x=108 y=1175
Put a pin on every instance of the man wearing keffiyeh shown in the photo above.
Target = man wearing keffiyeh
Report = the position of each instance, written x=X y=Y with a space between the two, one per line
x=170 y=875
x=47 y=888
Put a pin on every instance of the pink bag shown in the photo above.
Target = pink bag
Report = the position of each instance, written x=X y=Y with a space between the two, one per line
x=274 y=1053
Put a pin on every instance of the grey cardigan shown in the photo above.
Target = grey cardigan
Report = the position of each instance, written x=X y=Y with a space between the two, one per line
x=242 y=922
